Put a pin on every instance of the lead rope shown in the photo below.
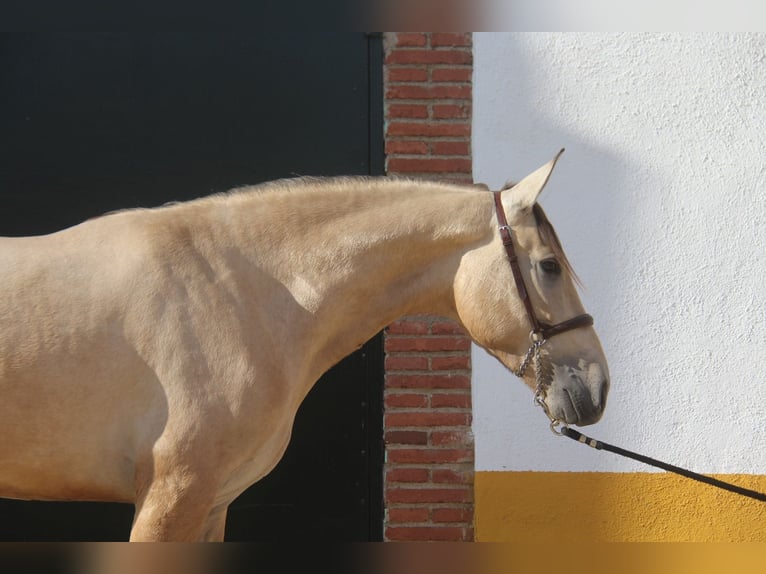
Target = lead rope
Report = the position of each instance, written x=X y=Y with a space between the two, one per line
x=560 y=428
x=598 y=445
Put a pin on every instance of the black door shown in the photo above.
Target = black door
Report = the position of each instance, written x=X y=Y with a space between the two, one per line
x=95 y=122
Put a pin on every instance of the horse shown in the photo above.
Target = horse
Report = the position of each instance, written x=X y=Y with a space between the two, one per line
x=158 y=356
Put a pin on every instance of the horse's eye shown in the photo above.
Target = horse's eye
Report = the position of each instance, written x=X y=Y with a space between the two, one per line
x=550 y=266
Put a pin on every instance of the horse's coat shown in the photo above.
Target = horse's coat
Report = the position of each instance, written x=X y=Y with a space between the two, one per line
x=158 y=356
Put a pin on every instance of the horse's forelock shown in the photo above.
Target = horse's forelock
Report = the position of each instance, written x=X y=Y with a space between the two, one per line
x=550 y=238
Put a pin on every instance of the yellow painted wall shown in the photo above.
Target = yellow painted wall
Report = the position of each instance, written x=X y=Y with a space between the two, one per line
x=557 y=554
x=615 y=507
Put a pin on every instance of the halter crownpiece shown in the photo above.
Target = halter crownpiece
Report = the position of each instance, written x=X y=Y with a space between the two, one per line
x=541 y=330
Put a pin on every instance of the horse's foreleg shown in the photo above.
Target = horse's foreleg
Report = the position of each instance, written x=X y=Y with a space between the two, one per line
x=174 y=510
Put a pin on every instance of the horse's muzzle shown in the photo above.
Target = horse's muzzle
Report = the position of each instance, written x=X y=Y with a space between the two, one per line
x=578 y=396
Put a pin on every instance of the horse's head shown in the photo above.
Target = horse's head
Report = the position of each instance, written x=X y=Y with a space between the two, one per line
x=573 y=380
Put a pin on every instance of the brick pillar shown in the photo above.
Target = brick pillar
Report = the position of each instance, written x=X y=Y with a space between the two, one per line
x=428 y=483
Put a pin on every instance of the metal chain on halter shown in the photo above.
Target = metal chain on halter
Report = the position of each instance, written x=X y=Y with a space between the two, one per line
x=534 y=354
x=533 y=351
x=541 y=388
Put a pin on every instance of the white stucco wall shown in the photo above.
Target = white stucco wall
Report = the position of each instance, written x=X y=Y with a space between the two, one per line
x=660 y=202
x=594 y=15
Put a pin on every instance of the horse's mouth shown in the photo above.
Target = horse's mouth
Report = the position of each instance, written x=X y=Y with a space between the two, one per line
x=573 y=403
x=564 y=408
x=577 y=405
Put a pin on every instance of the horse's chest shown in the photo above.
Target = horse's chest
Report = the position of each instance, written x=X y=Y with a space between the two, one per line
x=256 y=463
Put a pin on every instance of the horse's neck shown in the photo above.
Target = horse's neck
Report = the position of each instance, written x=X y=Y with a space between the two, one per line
x=355 y=261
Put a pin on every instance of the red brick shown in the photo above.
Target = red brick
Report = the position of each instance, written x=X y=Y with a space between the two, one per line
x=411 y=39
x=406 y=437
x=428 y=92
x=450 y=112
x=426 y=533
x=452 y=515
x=451 y=363
x=405 y=363
x=428 y=456
x=428 y=495
x=421 y=344
x=429 y=165
x=458 y=56
x=452 y=401
x=451 y=148
x=452 y=74
x=428 y=381
x=408 y=111
x=426 y=419
x=429 y=453
x=439 y=39
x=406 y=147
x=405 y=401
x=396 y=74
x=409 y=327
x=410 y=475
x=412 y=129
x=411 y=515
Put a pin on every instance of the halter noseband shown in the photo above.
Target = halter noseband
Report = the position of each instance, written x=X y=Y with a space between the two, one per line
x=541 y=330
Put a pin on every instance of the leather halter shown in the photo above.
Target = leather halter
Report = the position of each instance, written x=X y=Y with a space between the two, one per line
x=541 y=330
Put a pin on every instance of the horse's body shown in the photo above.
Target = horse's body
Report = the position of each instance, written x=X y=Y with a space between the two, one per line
x=158 y=356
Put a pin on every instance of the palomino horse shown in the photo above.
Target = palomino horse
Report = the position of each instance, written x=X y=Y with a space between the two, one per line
x=159 y=356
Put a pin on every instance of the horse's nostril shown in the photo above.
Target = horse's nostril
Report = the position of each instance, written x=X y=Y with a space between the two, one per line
x=602 y=395
x=598 y=383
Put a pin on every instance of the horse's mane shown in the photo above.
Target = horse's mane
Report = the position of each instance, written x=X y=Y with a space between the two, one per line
x=288 y=184
x=300 y=182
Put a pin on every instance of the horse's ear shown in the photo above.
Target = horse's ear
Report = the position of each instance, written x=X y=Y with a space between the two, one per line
x=523 y=195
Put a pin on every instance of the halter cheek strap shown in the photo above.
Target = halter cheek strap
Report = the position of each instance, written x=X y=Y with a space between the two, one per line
x=540 y=329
